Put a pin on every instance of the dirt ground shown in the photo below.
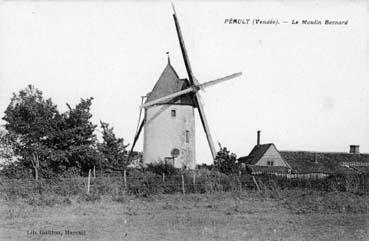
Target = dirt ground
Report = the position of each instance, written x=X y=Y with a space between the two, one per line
x=222 y=216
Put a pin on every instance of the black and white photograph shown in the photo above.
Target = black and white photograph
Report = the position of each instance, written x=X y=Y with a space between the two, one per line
x=184 y=120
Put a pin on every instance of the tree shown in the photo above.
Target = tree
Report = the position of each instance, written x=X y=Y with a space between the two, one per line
x=6 y=147
x=112 y=149
x=77 y=141
x=29 y=121
x=51 y=143
x=226 y=161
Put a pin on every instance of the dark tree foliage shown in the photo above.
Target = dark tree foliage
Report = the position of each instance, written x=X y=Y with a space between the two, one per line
x=226 y=162
x=6 y=147
x=77 y=141
x=46 y=141
x=29 y=120
x=112 y=149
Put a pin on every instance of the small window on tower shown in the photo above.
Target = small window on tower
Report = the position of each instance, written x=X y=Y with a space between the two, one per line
x=187 y=136
x=173 y=113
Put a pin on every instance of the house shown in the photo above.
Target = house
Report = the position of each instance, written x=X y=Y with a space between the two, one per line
x=267 y=159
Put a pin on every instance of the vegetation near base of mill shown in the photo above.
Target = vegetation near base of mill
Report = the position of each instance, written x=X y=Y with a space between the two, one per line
x=343 y=194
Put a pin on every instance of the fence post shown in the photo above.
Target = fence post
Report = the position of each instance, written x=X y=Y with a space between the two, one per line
x=94 y=172
x=88 y=181
x=183 y=187
x=194 y=181
x=163 y=177
x=125 y=178
x=239 y=179
x=256 y=183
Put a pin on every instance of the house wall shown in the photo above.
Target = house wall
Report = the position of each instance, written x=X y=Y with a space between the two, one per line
x=271 y=154
x=162 y=133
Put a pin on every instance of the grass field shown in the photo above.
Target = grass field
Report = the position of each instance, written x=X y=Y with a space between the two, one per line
x=220 y=216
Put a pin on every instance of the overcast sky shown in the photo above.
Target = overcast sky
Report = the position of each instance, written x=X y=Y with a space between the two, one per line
x=305 y=86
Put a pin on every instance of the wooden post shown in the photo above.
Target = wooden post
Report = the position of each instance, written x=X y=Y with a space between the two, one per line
x=94 y=172
x=194 y=181
x=125 y=178
x=88 y=181
x=239 y=180
x=183 y=187
x=163 y=177
x=256 y=183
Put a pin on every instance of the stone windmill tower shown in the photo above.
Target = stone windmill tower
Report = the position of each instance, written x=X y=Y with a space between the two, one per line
x=169 y=118
x=169 y=131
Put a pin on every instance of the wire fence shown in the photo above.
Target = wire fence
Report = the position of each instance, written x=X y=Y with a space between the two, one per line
x=149 y=183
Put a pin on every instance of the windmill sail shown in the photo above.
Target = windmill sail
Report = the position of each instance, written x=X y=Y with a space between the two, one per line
x=170 y=89
x=135 y=139
x=193 y=81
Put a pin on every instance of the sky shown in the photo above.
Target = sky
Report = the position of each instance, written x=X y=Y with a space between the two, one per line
x=306 y=87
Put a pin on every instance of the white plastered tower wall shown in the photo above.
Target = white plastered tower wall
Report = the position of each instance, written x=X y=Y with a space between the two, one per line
x=163 y=132
x=170 y=124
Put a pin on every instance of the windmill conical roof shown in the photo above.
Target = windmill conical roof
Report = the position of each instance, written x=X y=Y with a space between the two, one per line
x=169 y=83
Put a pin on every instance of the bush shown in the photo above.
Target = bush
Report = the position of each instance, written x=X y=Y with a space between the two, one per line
x=213 y=181
x=161 y=168
x=103 y=186
x=226 y=162
x=72 y=172
x=16 y=171
x=70 y=187
x=146 y=184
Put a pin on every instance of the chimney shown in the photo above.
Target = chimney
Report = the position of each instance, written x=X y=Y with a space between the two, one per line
x=354 y=149
x=258 y=138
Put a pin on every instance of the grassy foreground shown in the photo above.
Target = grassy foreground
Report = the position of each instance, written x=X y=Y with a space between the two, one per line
x=219 y=216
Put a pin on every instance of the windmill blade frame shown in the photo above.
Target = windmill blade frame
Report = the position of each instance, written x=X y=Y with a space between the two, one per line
x=191 y=89
x=219 y=80
x=192 y=80
x=205 y=124
x=136 y=138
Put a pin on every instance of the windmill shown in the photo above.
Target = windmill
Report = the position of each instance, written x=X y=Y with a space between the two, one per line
x=169 y=121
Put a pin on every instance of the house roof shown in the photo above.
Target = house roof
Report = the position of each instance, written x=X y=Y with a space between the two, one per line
x=256 y=153
x=322 y=162
x=169 y=83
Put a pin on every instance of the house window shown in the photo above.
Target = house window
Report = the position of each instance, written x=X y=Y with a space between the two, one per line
x=187 y=136
x=270 y=163
x=173 y=113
